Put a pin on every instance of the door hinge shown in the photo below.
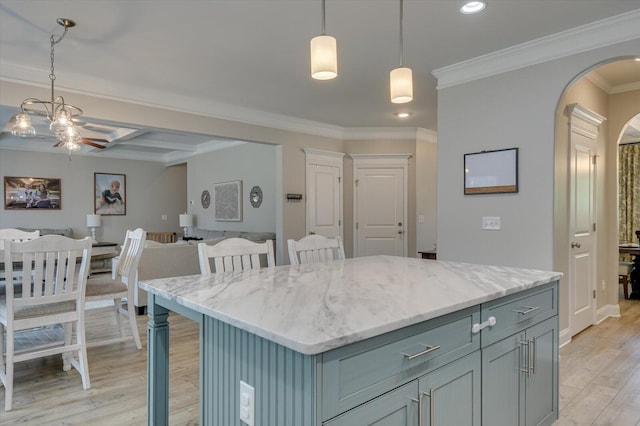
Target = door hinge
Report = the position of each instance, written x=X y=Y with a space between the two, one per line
x=594 y=294
x=356 y=225
x=357 y=182
x=339 y=179
x=594 y=160
x=339 y=223
x=594 y=227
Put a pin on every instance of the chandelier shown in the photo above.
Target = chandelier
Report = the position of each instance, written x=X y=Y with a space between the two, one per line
x=57 y=111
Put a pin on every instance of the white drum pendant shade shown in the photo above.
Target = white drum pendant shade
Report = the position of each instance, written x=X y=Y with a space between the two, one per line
x=324 y=57
x=401 y=83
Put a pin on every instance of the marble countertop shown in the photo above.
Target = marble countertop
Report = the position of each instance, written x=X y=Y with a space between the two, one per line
x=315 y=308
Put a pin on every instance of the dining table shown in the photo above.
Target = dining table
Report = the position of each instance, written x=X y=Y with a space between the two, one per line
x=633 y=250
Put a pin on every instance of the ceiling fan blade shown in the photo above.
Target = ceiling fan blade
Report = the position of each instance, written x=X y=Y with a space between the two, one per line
x=88 y=141
x=59 y=144
x=97 y=140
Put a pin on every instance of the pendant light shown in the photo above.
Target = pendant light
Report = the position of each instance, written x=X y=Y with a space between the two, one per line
x=401 y=78
x=324 y=56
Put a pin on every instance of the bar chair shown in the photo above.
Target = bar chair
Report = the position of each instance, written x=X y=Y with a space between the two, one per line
x=234 y=254
x=119 y=287
x=52 y=291
x=314 y=249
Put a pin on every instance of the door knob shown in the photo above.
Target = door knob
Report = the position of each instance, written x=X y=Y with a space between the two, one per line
x=575 y=245
x=400 y=232
x=399 y=223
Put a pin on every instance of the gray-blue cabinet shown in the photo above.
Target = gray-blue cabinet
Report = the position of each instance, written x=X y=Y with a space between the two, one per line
x=451 y=395
x=520 y=372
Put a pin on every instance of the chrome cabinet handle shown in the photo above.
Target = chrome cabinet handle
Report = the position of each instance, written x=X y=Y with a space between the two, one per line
x=432 y=405
x=525 y=368
x=419 y=402
x=426 y=351
x=534 y=353
x=528 y=311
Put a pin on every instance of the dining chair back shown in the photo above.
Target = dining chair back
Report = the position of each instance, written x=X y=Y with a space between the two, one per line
x=315 y=249
x=234 y=254
x=54 y=275
x=12 y=234
x=120 y=286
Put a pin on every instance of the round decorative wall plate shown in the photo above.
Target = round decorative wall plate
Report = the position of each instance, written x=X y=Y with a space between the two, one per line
x=205 y=199
x=255 y=196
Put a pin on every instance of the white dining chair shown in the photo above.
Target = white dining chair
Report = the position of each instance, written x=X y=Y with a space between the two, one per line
x=52 y=291
x=119 y=287
x=234 y=254
x=314 y=249
x=12 y=234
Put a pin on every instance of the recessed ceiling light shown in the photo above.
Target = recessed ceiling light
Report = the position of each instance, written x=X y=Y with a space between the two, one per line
x=637 y=59
x=402 y=114
x=469 y=7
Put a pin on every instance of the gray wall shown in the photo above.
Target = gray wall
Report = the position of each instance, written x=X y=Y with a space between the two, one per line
x=152 y=190
x=254 y=164
x=513 y=109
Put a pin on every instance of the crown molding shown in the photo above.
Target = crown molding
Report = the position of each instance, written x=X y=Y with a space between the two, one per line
x=617 y=29
x=381 y=133
x=213 y=109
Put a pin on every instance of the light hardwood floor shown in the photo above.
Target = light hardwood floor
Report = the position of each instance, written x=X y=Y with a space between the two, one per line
x=599 y=378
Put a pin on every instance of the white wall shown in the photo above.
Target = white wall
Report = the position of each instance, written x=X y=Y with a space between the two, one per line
x=254 y=164
x=152 y=190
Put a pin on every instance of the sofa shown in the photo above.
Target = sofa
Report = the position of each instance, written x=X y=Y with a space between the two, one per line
x=164 y=260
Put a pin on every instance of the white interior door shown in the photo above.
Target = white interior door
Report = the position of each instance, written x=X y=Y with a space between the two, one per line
x=324 y=192
x=582 y=229
x=380 y=208
x=323 y=201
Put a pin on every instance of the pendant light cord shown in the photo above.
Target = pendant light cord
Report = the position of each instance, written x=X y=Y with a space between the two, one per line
x=401 y=31
x=323 y=18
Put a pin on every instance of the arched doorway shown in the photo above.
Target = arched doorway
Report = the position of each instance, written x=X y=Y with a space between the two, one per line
x=607 y=91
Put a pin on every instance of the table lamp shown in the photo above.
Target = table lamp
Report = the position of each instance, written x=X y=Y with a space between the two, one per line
x=186 y=220
x=93 y=222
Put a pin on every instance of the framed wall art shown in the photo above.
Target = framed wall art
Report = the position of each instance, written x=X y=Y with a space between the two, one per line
x=110 y=194
x=227 y=199
x=491 y=172
x=32 y=193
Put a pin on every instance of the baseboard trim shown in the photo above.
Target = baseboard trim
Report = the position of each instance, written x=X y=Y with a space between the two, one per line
x=607 y=311
x=565 y=337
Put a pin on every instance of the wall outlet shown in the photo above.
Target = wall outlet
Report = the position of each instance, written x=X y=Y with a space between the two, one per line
x=420 y=218
x=247 y=403
x=603 y=285
x=491 y=223
x=163 y=217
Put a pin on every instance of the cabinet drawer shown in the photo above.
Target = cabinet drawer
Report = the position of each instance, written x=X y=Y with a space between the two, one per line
x=354 y=374
x=516 y=312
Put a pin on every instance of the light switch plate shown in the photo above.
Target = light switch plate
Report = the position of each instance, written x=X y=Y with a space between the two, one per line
x=491 y=223
x=247 y=403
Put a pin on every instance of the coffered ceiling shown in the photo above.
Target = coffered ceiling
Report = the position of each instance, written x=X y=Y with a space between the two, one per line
x=248 y=60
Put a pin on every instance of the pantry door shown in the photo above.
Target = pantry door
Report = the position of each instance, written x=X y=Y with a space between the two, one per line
x=380 y=204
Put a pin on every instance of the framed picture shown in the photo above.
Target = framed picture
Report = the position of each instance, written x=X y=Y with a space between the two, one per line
x=227 y=199
x=110 y=194
x=32 y=193
x=491 y=172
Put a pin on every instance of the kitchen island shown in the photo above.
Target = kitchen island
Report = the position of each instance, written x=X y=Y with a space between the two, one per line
x=349 y=342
